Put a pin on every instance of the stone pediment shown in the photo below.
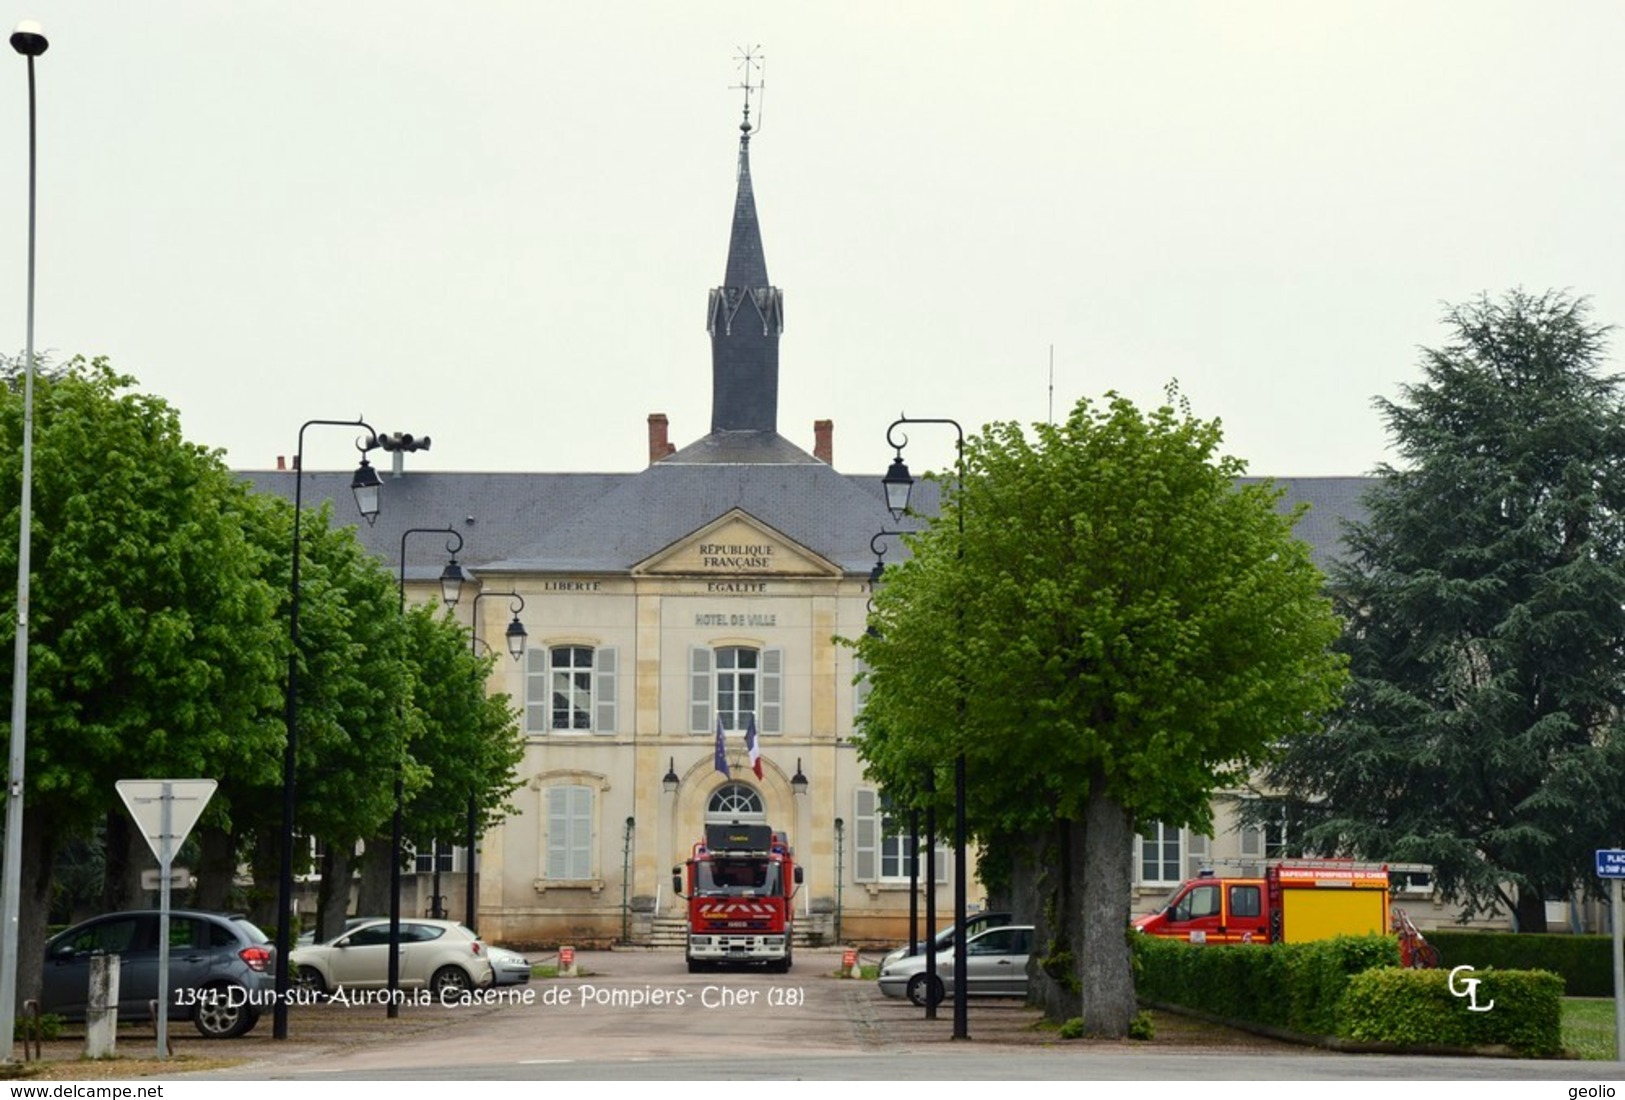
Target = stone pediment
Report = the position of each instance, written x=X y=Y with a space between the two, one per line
x=736 y=545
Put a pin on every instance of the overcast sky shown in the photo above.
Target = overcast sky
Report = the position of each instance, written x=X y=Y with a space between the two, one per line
x=497 y=223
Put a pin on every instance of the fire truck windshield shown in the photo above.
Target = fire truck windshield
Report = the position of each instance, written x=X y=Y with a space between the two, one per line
x=737 y=877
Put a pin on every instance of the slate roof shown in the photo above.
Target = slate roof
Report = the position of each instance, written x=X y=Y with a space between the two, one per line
x=1333 y=502
x=607 y=523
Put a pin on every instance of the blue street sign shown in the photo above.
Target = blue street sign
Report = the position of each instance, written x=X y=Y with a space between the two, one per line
x=1611 y=862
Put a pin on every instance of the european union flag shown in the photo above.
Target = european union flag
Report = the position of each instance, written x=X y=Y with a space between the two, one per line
x=721 y=759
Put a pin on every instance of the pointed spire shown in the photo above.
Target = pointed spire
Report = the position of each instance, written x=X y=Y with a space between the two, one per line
x=747 y=266
x=746 y=313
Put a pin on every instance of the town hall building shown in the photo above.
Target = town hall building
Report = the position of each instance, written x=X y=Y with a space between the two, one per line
x=707 y=591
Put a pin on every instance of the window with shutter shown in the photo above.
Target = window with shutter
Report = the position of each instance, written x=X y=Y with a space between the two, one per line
x=570 y=689
x=860 y=687
x=731 y=684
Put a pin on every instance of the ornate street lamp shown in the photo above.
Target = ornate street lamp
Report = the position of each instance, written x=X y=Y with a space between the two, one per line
x=451 y=587
x=365 y=485
x=898 y=484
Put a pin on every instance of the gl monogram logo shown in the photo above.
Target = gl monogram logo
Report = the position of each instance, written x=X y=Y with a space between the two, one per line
x=1469 y=989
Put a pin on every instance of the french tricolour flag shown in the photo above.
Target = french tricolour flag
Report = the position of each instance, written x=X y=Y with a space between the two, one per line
x=751 y=746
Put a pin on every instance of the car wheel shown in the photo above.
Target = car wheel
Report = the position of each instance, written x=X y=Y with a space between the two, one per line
x=449 y=981
x=310 y=979
x=222 y=1013
x=917 y=986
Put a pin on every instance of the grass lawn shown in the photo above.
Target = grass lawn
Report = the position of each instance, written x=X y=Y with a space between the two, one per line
x=1588 y=1028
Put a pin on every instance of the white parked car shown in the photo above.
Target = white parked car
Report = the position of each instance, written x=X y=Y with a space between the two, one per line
x=440 y=955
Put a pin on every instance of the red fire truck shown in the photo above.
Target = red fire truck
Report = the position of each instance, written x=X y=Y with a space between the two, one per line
x=1294 y=901
x=739 y=885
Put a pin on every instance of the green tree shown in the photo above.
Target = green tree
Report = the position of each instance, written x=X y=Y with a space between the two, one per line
x=463 y=744
x=1121 y=629
x=353 y=729
x=1484 y=594
x=466 y=742
x=152 y=650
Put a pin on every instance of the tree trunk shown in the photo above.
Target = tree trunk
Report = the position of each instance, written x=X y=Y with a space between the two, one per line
x=333 y=900
x=265 y=865
x=34 y=903
x=1107 y=972
x=372 y=895
x=217 y=868
x=1531 y=911
x=1046 y=877
x=127 y=854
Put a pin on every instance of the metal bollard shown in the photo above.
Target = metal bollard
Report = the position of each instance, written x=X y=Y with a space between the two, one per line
x=33 y=1029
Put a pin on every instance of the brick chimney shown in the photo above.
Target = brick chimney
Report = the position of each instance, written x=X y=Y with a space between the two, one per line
x=824 y=441
x=659 y=448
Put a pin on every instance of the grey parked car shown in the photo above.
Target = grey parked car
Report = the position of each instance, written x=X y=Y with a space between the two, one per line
x=220 y=972
x=995 y=966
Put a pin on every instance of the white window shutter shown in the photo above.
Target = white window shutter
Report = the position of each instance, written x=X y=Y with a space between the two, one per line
x=581 y=822
x=1252 y=842
x=538 y=698
x=558 y=832
x=772 y=696
x=865 y=837
x=604 y=662
x=699 y=690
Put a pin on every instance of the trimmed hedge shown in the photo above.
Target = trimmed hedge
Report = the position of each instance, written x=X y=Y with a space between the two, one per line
x=1416 y=1006
x=1310 y=988
x=1585 y=963
x=1296 y=986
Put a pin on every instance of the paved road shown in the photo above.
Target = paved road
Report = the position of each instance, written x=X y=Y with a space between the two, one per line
x=640 y=1016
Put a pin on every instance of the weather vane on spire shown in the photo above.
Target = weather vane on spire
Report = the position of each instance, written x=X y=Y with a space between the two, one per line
x=750 y=61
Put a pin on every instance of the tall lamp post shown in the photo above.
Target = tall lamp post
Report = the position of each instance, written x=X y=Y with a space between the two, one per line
x=30 y=42
x=365 y=484
x=898 y=485
x=451 y=588
x=515 y=635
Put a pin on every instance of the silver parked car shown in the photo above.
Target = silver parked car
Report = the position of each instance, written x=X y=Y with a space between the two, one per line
x=995 y=966
x=976 y=922
x=510 y=967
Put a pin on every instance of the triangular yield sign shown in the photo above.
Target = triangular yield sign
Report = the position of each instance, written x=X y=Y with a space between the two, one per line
x=145 y=799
